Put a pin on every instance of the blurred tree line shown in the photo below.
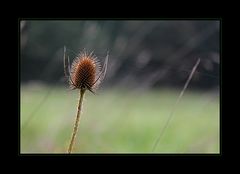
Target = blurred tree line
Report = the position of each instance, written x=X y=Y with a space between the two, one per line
x=141 y=53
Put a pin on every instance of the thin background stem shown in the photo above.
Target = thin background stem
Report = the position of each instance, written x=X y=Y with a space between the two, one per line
x=179 y=97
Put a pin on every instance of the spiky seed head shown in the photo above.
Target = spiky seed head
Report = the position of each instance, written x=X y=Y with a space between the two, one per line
x=86 y=72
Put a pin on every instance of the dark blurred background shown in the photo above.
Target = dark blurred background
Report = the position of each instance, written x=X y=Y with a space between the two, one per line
x=143 y=54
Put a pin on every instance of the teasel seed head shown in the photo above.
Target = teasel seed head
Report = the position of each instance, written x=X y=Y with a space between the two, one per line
x=86 y=72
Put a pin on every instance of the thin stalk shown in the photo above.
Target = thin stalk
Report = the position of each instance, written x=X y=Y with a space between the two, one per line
x=80 y=103
x=174 y=106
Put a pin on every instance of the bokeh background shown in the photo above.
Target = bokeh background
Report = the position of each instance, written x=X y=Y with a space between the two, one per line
x=149 y=63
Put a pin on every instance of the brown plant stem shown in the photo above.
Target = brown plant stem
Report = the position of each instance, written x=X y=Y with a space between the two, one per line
x=80 y=103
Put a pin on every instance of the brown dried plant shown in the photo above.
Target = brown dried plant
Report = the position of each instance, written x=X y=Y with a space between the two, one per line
x=84 y=74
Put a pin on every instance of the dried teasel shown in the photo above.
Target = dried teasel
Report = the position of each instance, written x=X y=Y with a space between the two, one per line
x=85 y=74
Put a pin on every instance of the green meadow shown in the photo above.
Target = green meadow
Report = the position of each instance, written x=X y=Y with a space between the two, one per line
x=119 y=121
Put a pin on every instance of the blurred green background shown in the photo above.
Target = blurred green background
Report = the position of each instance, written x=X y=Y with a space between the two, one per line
x=149 y=62
x=120 y=121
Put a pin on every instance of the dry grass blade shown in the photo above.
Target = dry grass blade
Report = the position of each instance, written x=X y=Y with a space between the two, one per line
x=174 y=106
